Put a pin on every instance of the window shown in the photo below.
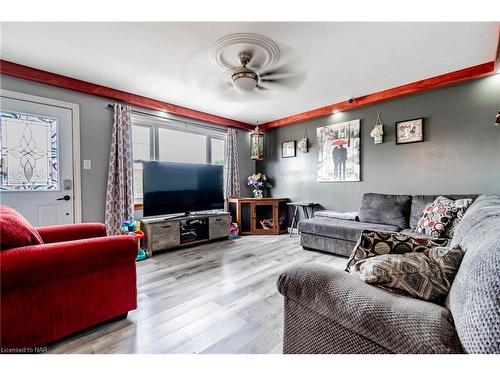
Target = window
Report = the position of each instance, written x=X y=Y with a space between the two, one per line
x=165 y=140
x=141 y=139
x=141 y=150
x=182 y=147
x=217 y=147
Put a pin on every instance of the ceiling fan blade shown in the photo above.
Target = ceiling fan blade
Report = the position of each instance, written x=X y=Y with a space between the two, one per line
x=277 y=76
x=284 y=69
x=228 y=93
x=291 y=82
x=274 y=80
x=227 y=73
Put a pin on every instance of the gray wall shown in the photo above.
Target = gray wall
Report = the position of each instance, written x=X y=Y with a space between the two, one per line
x=461 y=152
x=95 y=137
x=247 y=166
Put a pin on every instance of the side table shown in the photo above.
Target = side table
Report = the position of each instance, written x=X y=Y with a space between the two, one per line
x=260 y=216
x=295 y=206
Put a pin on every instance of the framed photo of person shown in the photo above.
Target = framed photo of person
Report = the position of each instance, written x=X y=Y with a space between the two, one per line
x=410 y=131
x=289 y=149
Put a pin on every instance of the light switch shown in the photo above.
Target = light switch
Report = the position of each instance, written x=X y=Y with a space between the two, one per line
x=87 y=164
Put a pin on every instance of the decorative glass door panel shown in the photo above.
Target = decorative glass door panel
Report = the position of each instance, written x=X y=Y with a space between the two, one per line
x=36 y=158
x=29 y=152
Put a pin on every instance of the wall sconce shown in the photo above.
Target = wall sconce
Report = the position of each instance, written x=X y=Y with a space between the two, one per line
x=378 y=131
x=257 y=144
x=497 y=120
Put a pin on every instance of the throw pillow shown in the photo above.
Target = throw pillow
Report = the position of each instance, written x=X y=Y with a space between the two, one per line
x=15 y=230
x=427 y=276
x=448 y=259
x=385 y=209
x=461 y=205
x=435 y=218
x=372 y=243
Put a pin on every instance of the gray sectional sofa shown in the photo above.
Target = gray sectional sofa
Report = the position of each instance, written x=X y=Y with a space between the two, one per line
x=331 y=311
x=379 y=212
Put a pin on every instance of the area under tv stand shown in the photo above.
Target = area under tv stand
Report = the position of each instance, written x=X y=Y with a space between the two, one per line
x=171 y=232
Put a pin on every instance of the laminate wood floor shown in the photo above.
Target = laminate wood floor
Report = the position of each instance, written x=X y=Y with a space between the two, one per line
x=219 y=297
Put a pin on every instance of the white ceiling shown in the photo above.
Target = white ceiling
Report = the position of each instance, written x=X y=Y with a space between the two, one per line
x=341 y=60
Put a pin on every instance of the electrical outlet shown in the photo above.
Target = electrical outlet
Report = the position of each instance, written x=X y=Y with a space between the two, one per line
x=87 y=164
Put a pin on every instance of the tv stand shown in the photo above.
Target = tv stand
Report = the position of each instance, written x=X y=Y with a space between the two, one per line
x=185 y=214
x=165 y=233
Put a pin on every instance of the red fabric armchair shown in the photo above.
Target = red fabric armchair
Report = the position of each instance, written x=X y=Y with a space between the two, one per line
x=76 y=279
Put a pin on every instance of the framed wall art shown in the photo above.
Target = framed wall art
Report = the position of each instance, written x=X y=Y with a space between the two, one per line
x=339 y=152
x=289 y=149
x=410 y=131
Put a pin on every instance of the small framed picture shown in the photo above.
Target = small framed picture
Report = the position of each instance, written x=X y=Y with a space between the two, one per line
x=289 y=149
x=410 y=131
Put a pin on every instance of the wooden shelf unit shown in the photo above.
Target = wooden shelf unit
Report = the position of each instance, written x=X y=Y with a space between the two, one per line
x=248 y=213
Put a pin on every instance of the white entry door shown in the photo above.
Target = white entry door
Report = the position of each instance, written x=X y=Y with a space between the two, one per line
x=38 y=175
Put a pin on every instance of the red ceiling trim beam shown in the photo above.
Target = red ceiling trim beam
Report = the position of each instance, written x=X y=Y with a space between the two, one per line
x=457 y=76
x=53 y=79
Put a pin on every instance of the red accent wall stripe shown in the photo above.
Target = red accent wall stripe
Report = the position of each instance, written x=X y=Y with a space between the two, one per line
x=457 y=76
x=53 y=79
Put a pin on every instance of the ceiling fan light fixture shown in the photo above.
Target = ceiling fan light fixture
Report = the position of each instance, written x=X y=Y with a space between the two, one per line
x=245 y=79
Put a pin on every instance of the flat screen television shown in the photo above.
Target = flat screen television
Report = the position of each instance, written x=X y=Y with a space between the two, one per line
x=174 y=188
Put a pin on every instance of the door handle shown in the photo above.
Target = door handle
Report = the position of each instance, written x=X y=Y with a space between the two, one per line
x=65 y=198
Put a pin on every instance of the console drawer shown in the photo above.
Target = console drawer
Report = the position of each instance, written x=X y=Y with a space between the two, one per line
x=165 y=235
x=218 y=226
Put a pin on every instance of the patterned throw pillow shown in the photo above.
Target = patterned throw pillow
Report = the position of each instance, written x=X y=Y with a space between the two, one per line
x=372 y=243
x=427 y=276
x=461 y=205
x=435 y=218
x=447 y=259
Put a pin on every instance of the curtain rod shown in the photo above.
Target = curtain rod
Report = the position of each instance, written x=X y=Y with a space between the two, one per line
x=185 y=122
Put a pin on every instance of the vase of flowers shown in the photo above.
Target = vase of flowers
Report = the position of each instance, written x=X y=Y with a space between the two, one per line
x=258 y=194
x=259 y=182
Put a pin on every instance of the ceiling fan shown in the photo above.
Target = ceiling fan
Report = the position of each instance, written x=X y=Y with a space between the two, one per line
x=245 y=79
x=253 y=68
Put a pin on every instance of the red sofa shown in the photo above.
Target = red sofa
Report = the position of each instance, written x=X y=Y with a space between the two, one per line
x=75 y=279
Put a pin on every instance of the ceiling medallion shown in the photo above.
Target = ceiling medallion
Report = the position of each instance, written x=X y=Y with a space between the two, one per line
x=265 y=53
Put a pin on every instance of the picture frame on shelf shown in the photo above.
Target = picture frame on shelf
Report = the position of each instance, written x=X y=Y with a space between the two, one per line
x=289 y=149
x=410 y=131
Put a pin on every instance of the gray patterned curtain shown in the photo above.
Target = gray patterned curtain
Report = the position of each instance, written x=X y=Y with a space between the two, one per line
x=231 y=166
x=119 y=191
